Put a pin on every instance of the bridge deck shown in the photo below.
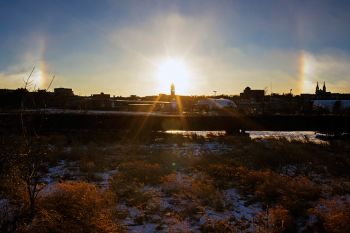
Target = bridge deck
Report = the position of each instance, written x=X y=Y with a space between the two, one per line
x=76 y=121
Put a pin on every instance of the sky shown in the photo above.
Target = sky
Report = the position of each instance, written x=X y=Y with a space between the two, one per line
x=125 y=47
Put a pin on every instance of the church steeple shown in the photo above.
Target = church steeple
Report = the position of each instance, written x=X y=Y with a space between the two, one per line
x=317 y=89
x=324 y=87
x=172 y=90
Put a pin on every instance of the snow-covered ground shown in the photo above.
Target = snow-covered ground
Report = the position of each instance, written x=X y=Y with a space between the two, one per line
x=191 y=148
x=303 y=136
x=167 y=219
x=8 y=211
x=63 y=170
x=171 y=210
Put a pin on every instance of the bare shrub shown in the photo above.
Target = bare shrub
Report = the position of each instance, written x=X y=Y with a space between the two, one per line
x=278 y=220
x=333 y=215
x=87 y=166
x=219 y=226
x=127 y=190
x=298 y=194
x=73 y=207
x=294 y=193
x=199 y=189
x=144 y=172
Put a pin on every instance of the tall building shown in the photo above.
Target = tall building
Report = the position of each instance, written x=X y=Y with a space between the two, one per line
x=172 y=89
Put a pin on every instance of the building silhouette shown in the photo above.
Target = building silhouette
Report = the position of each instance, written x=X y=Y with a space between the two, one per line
x=257 y=95
x=63 y=91
x=322 y=92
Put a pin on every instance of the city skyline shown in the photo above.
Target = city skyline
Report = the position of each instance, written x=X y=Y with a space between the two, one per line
x=132 y=47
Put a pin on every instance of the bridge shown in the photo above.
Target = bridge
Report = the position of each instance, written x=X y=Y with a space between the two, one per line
x=106 y=121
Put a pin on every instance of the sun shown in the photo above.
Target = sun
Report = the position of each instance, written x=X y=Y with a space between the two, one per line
x=173 y=70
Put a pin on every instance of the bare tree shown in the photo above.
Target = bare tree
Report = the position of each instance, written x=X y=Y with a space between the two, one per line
x=32 y=154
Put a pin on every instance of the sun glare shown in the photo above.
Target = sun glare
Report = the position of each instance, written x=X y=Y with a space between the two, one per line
x=37 y=78
x=173 y=70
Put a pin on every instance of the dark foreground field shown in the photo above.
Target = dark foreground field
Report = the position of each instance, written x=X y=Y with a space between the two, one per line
x=83 y=182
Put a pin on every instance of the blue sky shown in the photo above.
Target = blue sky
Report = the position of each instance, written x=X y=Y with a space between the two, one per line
x=116 y=46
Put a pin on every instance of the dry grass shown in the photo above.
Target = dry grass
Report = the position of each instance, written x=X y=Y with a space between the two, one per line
x=333 y=215
x=146 y=175
x=73 y=207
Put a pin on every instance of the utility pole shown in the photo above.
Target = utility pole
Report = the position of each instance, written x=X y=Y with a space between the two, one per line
x=214 y=93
